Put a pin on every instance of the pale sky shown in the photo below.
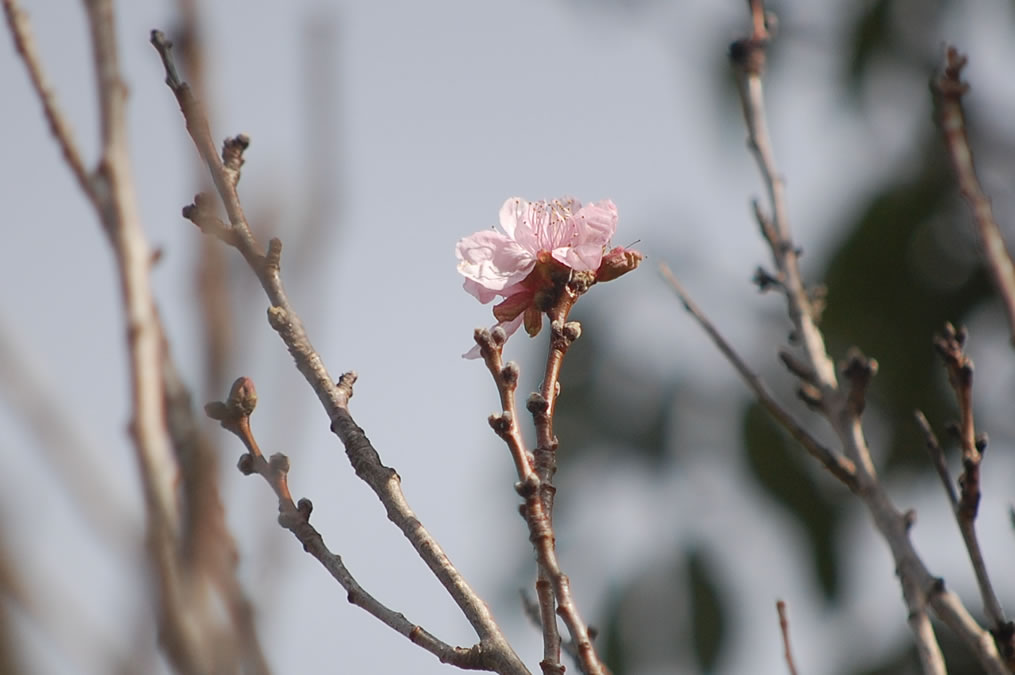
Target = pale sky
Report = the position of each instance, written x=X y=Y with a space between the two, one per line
x=444 y=110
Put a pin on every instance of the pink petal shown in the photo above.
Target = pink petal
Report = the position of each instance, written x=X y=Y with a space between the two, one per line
x=528 y=220
x=511 y=213
x=582 y=258
x=596 y=222
x=492 y=260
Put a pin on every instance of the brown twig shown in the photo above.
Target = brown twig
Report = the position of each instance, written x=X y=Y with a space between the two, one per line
x=110 y=190
x=950 y=345
x=948 y=90
x=24 y=42
x=842 y=410
x=780 y=607
x=383 y=480
x=542 y=407
x=234 y=416
x=505 y=425
x=552 y=586
x=937 y=458
x=839 y=466
x=532 y=611
x=182 y=555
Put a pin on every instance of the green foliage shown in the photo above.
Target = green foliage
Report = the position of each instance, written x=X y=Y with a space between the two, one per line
x=708 y=622
x=786 y=473
x=893 y=282
x=611 y=405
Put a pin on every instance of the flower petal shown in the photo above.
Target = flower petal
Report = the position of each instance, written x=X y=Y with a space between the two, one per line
x=493 y=261
x=511 y=213
x=592 y=226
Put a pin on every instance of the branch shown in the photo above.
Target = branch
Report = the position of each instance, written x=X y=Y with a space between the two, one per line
x=950 y=345
x=839 y=466
x=234 y=416
x=948 y=89
x=553 y=586
x=842 y=410
x=748 y=55
x=189 y=551
x=24 y=42
x=334 y=397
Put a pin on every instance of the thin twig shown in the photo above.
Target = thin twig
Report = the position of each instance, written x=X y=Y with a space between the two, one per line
x=780 y=607
x=334 y=397
x=749 y=57
x=553 y=586
x=948 y=89
x=843 y=411
x=24 y=42
x=68 y=449
x=937 y=458
x=950 y=345
x=160 y=401
x=234 y=416
x=506 y=426
x=837 y=465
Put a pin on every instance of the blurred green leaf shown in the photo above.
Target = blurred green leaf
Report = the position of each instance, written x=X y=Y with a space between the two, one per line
x=870 y=35
x=610 y=642
x=905 y=268
x=708 y=620
x=778 y=464
x=610 y=403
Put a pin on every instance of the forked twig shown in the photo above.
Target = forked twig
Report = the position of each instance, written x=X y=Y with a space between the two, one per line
x=950 y=345
x=553 y=588
x=181 y=555
x=384 y=481
x=839 y=466
x=234 y=416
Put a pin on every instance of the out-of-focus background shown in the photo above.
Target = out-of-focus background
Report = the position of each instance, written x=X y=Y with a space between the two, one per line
x=381 y=133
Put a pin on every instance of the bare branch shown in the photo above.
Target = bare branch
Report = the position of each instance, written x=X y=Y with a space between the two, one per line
x=748 y=56
x=234 y=416
x=950 y=345
x=937 y=458
x=843 y=411
x=948 y=89
x=552 y=586
x=20 y=29
x=839 y=466
x=178 y=547
x=383 y=480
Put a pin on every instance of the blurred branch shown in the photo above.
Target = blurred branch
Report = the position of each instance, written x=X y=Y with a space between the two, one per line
x=819 y=381
x=178 y=548
x=383 y=480
x=65 y=447
x=211 y=273
x=948 y=89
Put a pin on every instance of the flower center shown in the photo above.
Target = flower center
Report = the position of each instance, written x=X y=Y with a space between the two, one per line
x=555 y=225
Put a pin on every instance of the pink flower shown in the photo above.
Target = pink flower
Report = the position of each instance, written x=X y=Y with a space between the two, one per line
x=541 y=244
